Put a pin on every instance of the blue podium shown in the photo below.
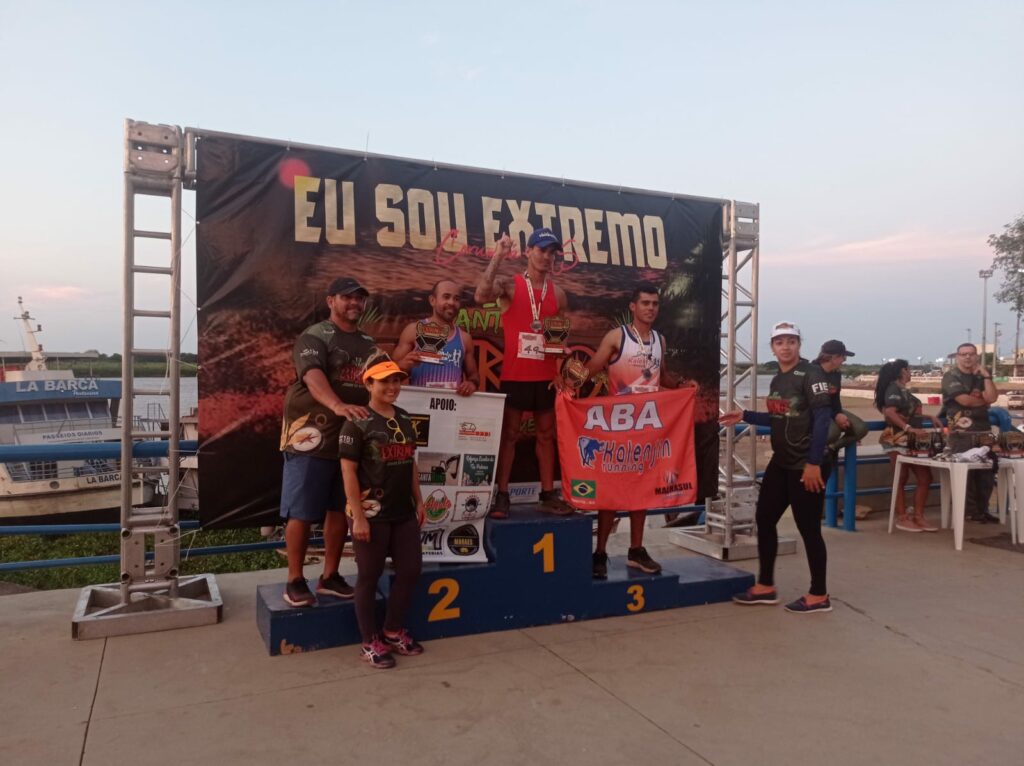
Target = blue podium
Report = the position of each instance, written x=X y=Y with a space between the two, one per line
x=538 y=574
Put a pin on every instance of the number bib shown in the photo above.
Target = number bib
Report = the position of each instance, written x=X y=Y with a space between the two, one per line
x=639 y=388
x=531 y=345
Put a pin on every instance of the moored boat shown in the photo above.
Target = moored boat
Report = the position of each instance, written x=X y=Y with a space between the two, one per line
x=53 y=407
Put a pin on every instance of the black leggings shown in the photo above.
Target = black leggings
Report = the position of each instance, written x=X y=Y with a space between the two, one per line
x=781 y=488
x=400 y=540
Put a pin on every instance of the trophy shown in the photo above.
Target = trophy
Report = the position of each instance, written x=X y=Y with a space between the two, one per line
x=919 y=446
x=1012 y=444
x=574 y=373
x=556 y=330
x=430 y=339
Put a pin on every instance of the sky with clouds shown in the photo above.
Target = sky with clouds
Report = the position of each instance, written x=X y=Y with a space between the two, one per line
x=884 y=141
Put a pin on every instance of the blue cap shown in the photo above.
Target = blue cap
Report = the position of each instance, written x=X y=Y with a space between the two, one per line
x=543 y=238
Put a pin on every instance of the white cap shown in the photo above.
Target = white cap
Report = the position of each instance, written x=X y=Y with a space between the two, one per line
x=785 y=328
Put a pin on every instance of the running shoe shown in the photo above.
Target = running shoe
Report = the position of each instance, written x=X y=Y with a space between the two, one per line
x=404 y=644
x=600 y=568
x=297 y=593
x=983 y=518
x=501 y=506
x=749 y=598
x=551 y=502
x=335 y=585
x=800 y=606
x=924 y=525
x=376 y=655
x=638 y=558
x=907 y=525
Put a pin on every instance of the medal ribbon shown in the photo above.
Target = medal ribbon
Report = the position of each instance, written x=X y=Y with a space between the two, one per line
x=646 y=350
x=534 y=307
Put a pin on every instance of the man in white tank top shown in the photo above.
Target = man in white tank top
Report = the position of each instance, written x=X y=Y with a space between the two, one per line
x=632 y=355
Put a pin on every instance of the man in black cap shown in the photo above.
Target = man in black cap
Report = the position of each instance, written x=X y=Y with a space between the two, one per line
x=846 y=428
x=329 y=357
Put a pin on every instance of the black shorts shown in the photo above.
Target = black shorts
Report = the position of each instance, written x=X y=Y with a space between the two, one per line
x=528 y=396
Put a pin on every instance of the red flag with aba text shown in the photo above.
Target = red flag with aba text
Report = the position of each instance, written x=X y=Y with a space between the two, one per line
x=631 y=452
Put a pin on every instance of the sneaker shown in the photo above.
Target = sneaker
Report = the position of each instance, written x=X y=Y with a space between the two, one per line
x=297 y=593
x=600 y=568
x=906 y=525
x=748 y=598
x=335 y=585
x=376 y=654
x=924 y=525
x=551 y=502
x=800 y=606
x=984 y=518
x=404 y=644
x=501 y=506
x=638 y=558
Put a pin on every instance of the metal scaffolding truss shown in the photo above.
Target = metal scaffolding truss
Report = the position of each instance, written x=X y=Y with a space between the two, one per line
x=151 y=594
x=729 y=529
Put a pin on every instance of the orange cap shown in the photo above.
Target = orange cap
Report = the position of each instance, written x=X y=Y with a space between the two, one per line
x=384 y=370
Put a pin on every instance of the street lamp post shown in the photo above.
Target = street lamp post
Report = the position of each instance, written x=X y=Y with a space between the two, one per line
x=995 y=347
x=1016 y=347
x=968 y=334
x=984 y=274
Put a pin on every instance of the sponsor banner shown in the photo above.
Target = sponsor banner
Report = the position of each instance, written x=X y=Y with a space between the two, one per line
x=280 y=221
x=59 y=388
x=628 y=453
x=456 y=474
x=70 y=436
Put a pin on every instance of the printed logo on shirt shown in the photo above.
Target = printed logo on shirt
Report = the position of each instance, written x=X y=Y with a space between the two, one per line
x=820 y=388
x=776 y=405
x=306 y=439
x=397 y=453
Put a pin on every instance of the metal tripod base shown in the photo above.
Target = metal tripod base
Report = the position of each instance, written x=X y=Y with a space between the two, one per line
x=711 y=543
x=100 y=613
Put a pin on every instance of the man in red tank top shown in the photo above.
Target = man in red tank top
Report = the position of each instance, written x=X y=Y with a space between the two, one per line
x=527 y=372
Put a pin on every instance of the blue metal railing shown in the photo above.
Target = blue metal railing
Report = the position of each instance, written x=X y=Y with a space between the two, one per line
x=849 y=491
x=156 y=449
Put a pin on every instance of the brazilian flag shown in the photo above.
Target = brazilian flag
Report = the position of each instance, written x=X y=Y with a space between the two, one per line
x=583 y=489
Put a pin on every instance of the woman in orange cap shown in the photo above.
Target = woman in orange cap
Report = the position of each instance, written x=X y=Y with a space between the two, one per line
x=378 y=464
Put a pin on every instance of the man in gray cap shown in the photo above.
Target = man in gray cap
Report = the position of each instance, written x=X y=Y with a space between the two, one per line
x=846 y=428
x=329 y=357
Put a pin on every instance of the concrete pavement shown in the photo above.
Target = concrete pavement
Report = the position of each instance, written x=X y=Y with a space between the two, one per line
x=922 y=662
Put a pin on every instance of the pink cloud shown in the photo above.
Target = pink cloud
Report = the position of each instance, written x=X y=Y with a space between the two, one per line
x=55 y=292
x=893 y=248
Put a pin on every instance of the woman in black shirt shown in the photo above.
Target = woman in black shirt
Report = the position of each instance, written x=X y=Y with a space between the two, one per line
x=902 y=411
x=378 y=464
x=799 y=414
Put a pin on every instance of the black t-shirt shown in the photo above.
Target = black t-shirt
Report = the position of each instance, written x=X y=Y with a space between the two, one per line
x=385 y=449
x=907 y=405
x=954 y=384
x=309 y=428
x=792 y=395
x=835 y=385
